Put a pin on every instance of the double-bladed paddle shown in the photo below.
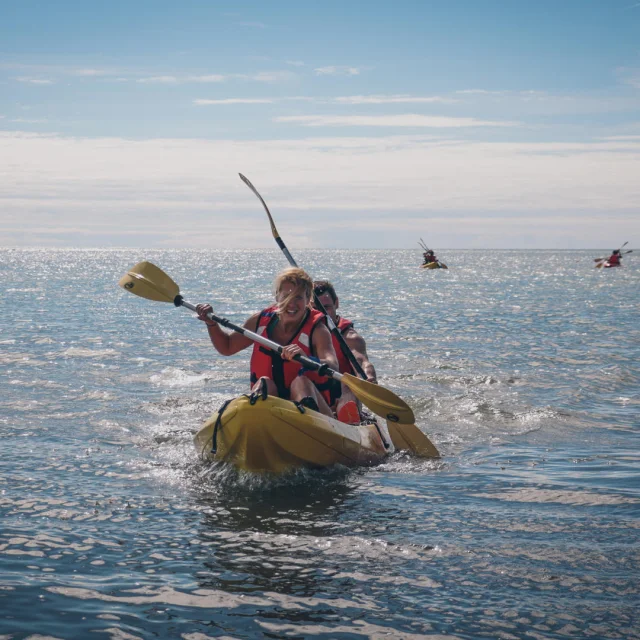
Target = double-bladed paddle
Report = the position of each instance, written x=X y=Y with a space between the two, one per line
x=404 y=436
x=150 y=282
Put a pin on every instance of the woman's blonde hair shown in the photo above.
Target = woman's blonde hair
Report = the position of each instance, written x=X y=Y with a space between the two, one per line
x=300 y=279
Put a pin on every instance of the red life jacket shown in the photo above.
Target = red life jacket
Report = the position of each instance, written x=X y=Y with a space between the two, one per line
x=344 y=366
x=268 y=363
x=614 y=259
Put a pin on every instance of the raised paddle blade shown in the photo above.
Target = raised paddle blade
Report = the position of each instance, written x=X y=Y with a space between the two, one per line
x=148 y=281
x=380 y=400
x=408 y=437
x=274 y=231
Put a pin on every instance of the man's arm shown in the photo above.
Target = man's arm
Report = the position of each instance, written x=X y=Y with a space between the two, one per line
x=357 y=344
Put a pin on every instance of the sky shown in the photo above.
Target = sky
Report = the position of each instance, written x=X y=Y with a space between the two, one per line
x=468 y=123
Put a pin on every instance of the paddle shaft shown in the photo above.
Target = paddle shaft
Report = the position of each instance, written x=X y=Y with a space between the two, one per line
x=330 y=323
x=322 y=369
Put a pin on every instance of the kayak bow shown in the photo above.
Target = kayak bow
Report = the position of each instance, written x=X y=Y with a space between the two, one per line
x=272 y=435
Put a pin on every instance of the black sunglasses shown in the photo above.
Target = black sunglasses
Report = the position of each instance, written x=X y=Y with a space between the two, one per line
x=320 y=289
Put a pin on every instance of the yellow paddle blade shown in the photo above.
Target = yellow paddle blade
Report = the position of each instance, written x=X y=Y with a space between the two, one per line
x=408 y=437
x=148 y=281
x=380 y=400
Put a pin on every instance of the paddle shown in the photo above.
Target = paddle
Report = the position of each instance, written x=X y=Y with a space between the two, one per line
x=148 y=281
x=414 y=440
x=409 y=437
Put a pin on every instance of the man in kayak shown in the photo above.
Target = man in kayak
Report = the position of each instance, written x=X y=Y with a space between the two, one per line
x=293 y=323
x=346 y=403
x=614 y=258
x=429 y=257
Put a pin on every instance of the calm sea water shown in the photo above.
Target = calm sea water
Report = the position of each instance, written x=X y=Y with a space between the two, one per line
x=523 y=367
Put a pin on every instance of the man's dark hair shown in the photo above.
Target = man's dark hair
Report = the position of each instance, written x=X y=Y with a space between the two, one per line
x=321 y=287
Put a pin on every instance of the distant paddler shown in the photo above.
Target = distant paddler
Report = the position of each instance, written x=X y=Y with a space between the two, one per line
x=429 y=257
x=430 y=260
x=293 y=323
x=614 y=260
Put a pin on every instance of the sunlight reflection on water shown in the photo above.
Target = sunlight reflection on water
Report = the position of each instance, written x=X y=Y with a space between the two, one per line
x=526 y=528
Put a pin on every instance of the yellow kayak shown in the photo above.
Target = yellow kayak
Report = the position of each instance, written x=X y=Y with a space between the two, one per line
x=434 y=265
x=272 y=435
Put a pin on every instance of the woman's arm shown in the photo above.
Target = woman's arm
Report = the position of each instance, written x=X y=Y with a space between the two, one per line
x=226 y=343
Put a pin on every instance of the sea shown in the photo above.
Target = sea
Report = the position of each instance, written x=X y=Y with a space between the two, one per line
x=522 y=367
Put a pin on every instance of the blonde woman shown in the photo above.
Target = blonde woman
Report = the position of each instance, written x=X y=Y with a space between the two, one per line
x=293 y=323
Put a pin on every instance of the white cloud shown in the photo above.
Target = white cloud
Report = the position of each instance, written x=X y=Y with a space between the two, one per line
x=264 y=76
x=337 y=71
x=480 y=92
x=90 y=72
x=630 y=137
x=205 y=102
x=32 y=80
x=403 y=120
x=206 y=78
x=159 y=80
x=392 y=99
x=269 y=76
x=295 y=63
x=53 y=181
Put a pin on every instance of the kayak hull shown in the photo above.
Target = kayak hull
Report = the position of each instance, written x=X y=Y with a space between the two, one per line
x=434 y=265
x=273 y=436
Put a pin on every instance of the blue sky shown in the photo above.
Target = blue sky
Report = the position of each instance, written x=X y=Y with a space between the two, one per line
x=471 y=123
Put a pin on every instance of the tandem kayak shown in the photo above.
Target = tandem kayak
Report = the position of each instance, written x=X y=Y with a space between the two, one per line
x=607 y=265
x=272 y=435
x=434 y=265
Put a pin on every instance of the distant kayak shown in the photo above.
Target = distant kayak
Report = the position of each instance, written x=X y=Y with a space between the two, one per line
x=434 y=265
x=607 y=265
